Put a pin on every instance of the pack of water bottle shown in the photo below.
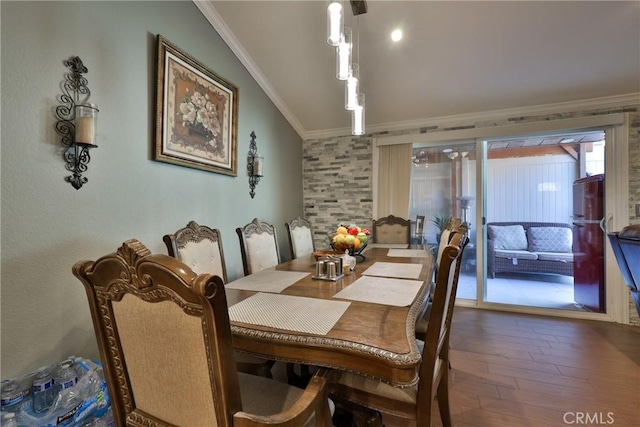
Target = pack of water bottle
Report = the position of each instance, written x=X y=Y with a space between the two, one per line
x=72 y=393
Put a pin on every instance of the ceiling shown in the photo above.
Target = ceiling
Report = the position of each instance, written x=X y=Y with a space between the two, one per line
x=456 y=58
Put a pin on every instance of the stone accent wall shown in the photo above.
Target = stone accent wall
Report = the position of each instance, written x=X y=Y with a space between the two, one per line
x=338 y=185
x=634 y=189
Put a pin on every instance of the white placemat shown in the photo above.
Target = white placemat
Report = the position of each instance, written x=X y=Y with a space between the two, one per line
x=382 y=290
x=385 y=245
x=300 y=314
x=408 y=253
x=394 y=269
x=273 y=281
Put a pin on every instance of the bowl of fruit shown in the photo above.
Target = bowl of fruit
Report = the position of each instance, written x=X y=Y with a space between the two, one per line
x=351 y=238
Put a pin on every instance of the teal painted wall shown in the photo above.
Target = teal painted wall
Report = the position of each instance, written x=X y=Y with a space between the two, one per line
x=47 y=225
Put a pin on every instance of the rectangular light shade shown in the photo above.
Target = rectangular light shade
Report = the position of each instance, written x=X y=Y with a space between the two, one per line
x=357 y=117
x=344 y=55
x=351 y=89
x=335 y=21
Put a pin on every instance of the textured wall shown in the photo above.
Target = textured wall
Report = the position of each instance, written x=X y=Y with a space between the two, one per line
x=634 y=188
x=329 y=164
x=47 y=225
x=337 y=184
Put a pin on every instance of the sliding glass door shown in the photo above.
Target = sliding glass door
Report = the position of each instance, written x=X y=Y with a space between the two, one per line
x=443 y=184
x=541 y=251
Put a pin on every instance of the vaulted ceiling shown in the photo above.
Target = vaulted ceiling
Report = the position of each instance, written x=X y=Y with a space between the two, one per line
x=456 y=57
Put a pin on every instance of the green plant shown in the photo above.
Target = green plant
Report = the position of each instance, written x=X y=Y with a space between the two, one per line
x=440 y=221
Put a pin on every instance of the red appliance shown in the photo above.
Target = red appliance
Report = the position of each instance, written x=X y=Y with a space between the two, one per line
x=588 y=242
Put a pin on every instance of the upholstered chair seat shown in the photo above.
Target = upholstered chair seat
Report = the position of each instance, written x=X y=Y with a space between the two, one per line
x=261 y=395
x=373 y=387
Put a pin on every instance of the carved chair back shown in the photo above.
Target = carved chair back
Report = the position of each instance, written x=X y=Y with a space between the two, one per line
x=391 y=229
x=454 y=225
x=166 y=345
x=164 y=337
x=198 y=246
x=418 y=235
x=434 y=369
x=300 y=235
x=258 y=245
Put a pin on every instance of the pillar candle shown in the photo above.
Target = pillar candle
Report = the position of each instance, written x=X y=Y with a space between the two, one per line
x=85 y=130
x=257 y=166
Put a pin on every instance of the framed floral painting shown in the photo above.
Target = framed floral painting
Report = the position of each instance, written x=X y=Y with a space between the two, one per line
x=196 y=113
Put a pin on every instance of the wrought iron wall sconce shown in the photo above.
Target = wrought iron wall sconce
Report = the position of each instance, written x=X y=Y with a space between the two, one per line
x=77 y=122
x=254 y=165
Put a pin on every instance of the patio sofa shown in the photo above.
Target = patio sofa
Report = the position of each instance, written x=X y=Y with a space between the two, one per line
x=529 y=247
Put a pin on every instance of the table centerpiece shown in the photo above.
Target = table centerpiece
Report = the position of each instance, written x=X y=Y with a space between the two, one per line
x=351 y=238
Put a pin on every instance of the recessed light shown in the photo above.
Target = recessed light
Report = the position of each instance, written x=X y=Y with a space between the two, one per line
x=396 y=35
x=447 y=150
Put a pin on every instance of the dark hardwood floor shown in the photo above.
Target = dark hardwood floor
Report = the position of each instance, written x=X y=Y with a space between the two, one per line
x=523 y=370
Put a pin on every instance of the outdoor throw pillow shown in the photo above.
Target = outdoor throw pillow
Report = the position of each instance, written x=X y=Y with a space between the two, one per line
x=508 y=237
x=550 y=239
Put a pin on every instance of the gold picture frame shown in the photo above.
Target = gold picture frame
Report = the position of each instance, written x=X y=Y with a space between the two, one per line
x=196 y=113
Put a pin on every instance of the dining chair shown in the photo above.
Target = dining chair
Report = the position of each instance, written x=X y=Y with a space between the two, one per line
x=453 y=226
x=200 y=247
x=391 y=229
x=415 y=403
x=418 y=235
x=258 y=246
x=300 y=235
x=165 y=341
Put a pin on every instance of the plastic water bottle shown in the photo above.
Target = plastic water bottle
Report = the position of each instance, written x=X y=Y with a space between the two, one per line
x=65 y=377
x=42 y=391
x=108 y=420
x=90 y=422
x=11 y=397
x=9 y=420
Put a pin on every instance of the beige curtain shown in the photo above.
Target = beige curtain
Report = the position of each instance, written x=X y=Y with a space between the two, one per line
x=394 y=180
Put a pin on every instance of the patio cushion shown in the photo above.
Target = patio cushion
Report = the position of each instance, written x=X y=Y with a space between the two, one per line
x=511 y=237
x=555 y=256
x=501 y=253
x=550 y=239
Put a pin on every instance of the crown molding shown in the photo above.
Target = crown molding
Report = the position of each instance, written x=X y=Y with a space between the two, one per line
x=236 y=47
x=606 y=102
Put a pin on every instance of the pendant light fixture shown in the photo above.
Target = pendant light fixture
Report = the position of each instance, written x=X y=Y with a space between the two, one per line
x=348 y=69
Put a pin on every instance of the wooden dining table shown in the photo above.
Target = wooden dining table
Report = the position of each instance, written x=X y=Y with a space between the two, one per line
x=371 y=339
